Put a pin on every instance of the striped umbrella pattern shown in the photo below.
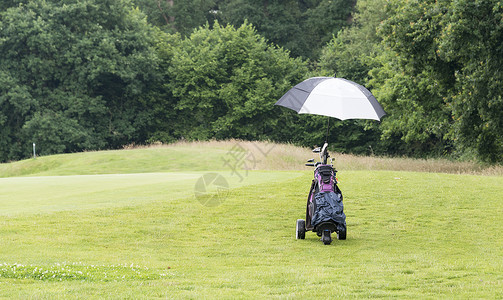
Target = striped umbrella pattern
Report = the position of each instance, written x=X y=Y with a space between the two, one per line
x=333 y=97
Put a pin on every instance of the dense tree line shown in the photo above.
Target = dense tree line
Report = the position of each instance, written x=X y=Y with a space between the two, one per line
x=436 y=67
x=74 y=76
x=98 y=74
x=302 y=27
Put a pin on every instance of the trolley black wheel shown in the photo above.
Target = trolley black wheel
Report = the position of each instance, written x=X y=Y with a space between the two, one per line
x=300 y=232
x=326 y=238
x=341 y=235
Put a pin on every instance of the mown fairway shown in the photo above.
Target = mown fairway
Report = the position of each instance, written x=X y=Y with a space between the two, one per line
x=142 y=233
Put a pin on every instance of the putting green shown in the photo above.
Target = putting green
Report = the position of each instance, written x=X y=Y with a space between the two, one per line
x=58 y=193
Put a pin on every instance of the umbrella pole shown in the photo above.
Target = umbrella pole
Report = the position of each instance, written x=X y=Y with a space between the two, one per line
x=328 y=126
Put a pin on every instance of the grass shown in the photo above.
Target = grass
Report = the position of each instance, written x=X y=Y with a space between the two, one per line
x=56 y=193
x=145 y=234
x=194 y=156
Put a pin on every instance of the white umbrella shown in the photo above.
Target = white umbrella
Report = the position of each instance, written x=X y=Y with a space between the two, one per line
x=334 y=97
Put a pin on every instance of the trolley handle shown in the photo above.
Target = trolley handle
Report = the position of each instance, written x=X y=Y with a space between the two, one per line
x=323 y=152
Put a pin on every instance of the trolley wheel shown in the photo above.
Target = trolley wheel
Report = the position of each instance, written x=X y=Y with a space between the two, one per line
x=341 y=235
x=326 y=238
x=300 y=232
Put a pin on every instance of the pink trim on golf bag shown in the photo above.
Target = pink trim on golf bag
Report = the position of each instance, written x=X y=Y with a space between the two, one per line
x=325 y=186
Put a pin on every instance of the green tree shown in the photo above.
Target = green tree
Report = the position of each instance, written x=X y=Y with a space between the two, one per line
x=9 y=3
x=179 y=16
x=324 y=21
x=302 y=27
x=350 y=55
x=15 y=104
x=189 y=15
x=277 y=21
x=74 y=76
x=472 y=39
x=411 y=80
x=439 y=77
x=157 y=11
x=226 y=81
x=160 y=97
x=350 y=52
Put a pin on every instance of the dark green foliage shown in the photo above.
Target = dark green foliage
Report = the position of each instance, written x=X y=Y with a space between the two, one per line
x=278 y=21
x=435 y=66
x=4 y=4
x=349 y=55
x=96 y=74
x=472 y=39
x=440 y=76
x=411 y=80
x=73 y=76
x=179 y=16
x=226 y=81
x=350 y=52
x=303 y=27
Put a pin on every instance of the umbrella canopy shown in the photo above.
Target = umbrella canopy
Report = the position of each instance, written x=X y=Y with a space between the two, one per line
x=334 y=97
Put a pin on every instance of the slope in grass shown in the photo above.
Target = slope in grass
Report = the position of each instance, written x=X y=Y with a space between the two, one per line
x=223 y=155
x=118 y=162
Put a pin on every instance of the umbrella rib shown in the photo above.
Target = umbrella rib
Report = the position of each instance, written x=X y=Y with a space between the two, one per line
x=303 y=90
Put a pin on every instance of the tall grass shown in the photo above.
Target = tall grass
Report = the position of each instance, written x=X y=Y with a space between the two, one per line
x=211 y=155
x=278 y=156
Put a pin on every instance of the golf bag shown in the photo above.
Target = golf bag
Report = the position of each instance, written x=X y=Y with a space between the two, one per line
x=324 y=209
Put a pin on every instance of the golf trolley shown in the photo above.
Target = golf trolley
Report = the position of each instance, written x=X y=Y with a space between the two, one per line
x=324 y=209
x=341 y=99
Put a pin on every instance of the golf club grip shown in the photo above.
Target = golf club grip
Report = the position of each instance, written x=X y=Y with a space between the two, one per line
x=310 y=165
